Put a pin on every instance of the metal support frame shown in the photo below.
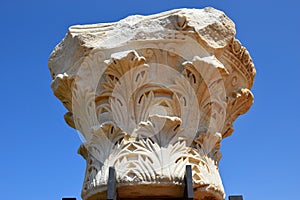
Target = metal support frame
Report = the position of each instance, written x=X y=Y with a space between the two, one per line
x=236 y=197
x=188 y=180
x=112 y=193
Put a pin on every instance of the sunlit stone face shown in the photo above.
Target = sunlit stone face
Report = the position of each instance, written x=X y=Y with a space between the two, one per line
x=150 y=95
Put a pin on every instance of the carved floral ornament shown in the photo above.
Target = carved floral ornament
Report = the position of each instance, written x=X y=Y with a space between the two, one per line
x=152 y=94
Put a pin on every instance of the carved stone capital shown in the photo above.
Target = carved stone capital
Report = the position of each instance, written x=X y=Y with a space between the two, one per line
x=152 y=94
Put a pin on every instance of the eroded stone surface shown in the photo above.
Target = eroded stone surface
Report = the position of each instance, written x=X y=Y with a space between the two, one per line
x=152 y=94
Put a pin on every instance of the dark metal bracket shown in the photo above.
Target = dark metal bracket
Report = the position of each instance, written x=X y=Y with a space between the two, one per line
x=236 y=197
x=188 y=180
x=112 y=192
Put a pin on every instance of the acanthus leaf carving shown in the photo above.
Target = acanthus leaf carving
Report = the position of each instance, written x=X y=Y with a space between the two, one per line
x=160 y=129
x=238 y=104
x=62 y=88
x=131 y=78
x=206 y=77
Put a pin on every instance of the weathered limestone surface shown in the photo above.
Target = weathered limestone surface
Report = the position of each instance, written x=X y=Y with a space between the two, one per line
x=152 y=94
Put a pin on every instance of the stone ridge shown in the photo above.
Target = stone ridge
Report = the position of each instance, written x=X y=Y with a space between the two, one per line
x=211 y=27
x=215 y=28
x=215 y=31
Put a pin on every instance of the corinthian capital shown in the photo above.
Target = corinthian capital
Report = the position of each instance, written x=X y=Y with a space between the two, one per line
x=152 y=94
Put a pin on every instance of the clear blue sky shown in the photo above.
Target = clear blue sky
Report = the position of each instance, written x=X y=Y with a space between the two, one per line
x=38 y=151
